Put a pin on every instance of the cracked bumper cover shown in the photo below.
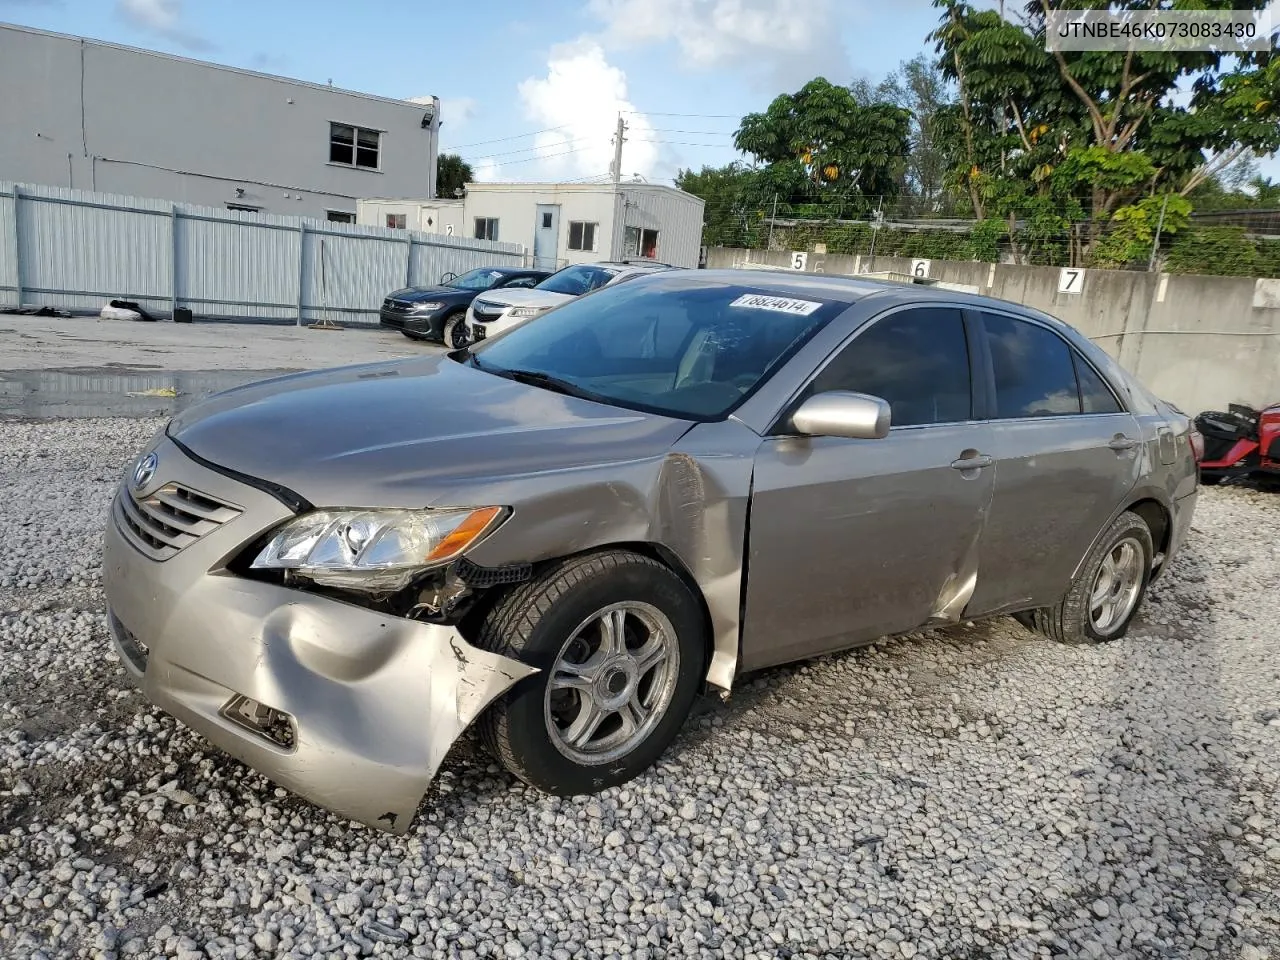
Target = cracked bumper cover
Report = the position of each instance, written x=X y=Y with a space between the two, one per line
x=375 y=701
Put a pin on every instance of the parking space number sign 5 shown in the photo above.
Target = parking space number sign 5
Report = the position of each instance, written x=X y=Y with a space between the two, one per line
x=799 y=260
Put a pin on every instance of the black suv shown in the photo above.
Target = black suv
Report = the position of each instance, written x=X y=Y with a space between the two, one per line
x=432 y=313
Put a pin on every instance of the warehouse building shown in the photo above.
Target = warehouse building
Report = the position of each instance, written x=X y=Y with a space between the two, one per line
x=100 y=116
x=560 y=223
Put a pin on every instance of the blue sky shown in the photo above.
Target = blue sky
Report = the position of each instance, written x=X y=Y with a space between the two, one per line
x=533 y=90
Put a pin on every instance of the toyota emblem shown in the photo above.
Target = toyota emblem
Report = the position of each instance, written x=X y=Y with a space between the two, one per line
x=144 y=471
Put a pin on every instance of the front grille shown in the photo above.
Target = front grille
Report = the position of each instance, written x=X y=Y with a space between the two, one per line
x=486 y=313
x=169 y=520
x=395 y=306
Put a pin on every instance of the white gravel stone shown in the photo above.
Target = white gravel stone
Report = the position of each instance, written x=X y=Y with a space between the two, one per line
x=976 y=792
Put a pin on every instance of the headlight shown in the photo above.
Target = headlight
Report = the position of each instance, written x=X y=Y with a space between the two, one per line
x=425 y=307
x=374 y=550
x=522 y=312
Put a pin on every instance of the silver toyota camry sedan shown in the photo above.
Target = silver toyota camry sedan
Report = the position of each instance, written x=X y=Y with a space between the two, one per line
x=565 y=533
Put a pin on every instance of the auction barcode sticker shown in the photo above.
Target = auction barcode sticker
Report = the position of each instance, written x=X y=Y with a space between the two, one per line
x=780 y=304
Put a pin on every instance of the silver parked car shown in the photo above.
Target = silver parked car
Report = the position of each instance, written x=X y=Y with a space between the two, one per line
x=503 y=310
x=651 y=490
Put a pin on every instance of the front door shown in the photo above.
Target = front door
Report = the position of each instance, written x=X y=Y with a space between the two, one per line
x=850 y=540
x=1067 y=453
x=546 y=236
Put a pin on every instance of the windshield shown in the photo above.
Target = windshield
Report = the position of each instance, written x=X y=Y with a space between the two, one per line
x=681 y=347
x=575 y=281
x=481 y=279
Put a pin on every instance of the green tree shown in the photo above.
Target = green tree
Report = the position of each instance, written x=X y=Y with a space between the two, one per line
x=452 y=174
x=821 y=141
x=920 y=88
x=1098 y=126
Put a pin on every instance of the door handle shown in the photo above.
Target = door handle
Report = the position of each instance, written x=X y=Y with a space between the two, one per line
x=1120 y=444
x=972 y=463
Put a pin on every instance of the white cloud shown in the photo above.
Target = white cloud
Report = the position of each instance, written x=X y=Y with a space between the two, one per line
x=457 y=110
x=581 y=97
x=164 y=19
x=789 y=43
x=487 y=171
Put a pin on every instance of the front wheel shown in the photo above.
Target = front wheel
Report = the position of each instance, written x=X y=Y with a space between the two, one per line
x=620 y=647
x=454 y=332
x=1106 y=594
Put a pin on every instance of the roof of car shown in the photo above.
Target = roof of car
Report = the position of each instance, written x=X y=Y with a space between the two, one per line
x=845 y=289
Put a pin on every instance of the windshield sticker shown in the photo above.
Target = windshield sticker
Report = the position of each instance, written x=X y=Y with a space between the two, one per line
x=758 y=301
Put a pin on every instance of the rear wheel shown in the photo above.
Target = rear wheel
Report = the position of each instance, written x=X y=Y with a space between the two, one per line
x=1104 y=597
x=619 y=644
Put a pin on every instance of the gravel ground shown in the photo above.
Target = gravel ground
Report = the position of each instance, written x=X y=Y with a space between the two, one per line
x=961 y=794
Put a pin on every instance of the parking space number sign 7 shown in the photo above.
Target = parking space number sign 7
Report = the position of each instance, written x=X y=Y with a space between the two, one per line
x=1071 y=280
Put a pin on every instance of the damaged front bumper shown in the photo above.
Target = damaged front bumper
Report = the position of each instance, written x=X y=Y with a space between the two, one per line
x=352 y=709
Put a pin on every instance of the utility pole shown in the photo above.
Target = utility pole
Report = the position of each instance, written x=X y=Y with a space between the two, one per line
x=618 y=139
x=1155 y=246
x=877 y=221
x=772 y=218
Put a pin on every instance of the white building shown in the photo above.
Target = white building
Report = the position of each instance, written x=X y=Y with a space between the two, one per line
x=99 y=116
x=561 y=223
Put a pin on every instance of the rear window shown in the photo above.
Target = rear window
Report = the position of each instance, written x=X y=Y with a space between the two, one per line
x=1034 y=372
x=575 y=281
x=681 y=347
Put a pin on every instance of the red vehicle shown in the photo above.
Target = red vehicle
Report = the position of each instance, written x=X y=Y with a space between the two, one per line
x=1241 y=442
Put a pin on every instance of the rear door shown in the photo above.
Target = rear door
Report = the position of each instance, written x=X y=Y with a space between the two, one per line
x=853 y=539
x=1067 y=453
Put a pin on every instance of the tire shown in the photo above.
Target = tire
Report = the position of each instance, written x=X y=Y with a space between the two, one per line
x=1073 y=619
x=450 y=326
x=528 y=729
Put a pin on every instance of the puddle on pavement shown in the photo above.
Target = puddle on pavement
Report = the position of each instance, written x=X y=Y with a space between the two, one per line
x=103 y=392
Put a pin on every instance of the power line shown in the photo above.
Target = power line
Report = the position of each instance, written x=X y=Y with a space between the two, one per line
x=550 y=156
x=508 y=153
x=695 y=133
x=701 y=116
x=517 y=136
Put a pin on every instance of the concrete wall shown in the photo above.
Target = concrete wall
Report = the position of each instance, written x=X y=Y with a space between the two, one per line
x=1199 y=342
x=97 y=116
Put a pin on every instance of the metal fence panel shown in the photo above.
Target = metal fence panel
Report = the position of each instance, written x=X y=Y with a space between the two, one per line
x=8 y=247
x=75 y=250
x=76 y=254
x=230 y=265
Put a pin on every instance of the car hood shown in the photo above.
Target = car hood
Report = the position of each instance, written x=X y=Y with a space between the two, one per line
x=424 y=294
x=409 y=432
x=523 y=298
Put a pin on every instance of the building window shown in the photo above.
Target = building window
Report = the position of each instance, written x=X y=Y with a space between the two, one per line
x=396 y=221
x=340 y=216
x=649 y=244
x=486 y=228
x=243 y=208
x=354 y=146
x=582 y=235
x=546 y=221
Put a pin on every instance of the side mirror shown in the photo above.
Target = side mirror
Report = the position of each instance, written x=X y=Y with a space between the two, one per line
x=839 y=413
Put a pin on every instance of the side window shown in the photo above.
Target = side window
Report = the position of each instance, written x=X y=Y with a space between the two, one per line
x=1034 y=371
x=917 y=360
x=521 y=282
x=1095 y=395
